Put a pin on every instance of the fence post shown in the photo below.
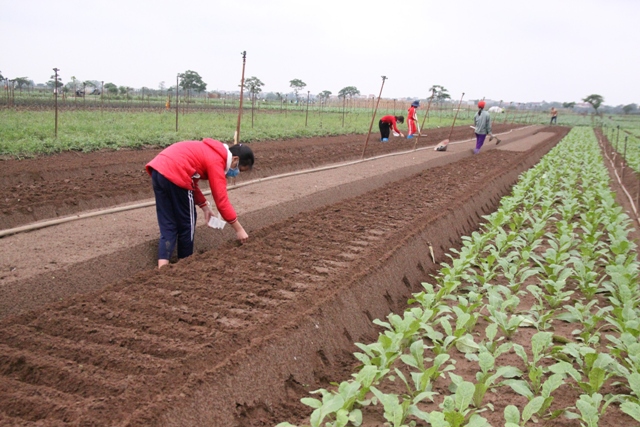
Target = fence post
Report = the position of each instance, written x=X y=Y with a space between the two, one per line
x=624 y=156
x=177 y=99
x=55 y=92
x=638 y=191
x=306 y=117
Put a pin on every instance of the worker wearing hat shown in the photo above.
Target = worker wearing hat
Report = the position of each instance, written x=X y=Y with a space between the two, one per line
x=482 y=121
x=412 y=120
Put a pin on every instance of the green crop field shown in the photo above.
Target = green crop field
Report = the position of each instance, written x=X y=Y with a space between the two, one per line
x=27 y=132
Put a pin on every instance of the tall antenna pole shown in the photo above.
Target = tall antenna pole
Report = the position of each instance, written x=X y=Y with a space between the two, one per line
x=455 y=116
x=433 y=94
x=177 y=99
x=373 y=117
x=55 y=97
x=236 y=138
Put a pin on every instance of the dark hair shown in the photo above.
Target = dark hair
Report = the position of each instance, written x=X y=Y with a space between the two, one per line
x=400 y=119
x=244 y=153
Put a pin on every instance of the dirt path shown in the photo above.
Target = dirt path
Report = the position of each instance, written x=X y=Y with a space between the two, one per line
x=234 y=336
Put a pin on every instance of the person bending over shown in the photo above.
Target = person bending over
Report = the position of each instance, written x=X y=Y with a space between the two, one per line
x=387 y=123
x=175 y=173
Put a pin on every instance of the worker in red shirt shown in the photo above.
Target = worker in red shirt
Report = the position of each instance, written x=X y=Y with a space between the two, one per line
x=175 y=173
x=388 y=122
x=412 y=120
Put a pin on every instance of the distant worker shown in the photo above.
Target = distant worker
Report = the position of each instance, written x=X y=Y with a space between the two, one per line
x=175 y=173
x=388 y=122
x=554 y=116
x=482 y=122
x=168 y=103
x=412 y=120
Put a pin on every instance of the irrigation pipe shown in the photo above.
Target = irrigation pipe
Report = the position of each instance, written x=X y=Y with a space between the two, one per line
x=43 y=224
x=615 y=171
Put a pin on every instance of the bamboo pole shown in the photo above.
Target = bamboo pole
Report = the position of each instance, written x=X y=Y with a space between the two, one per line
x=433 y=94
x=236 y=138
x=373 y=116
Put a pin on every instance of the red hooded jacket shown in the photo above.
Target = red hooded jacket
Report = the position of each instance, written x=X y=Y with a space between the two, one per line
x=185 y=163
x=392 y=121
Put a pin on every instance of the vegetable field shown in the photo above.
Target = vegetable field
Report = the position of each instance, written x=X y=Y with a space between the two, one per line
x=412 y=288
x=534 y=319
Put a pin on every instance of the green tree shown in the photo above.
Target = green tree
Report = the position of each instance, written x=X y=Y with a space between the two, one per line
x=568 y=104
x=254 y=86
x=111 y=88
x=439 y=93
x=21 y=82
x=594 y=100
x=190 y=80
x=73 y=84
x=2 y=77
x=52 y=83
x=349 y=91
x=629 y=108
x=324 y=95
x=297 y=85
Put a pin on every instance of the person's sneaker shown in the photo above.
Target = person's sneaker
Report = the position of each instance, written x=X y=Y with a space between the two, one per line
x=476 y=151
x=385 y=140
x=409 y=136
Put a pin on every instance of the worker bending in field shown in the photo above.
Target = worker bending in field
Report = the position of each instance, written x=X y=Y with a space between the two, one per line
x=482 y=121
x=175 y=173
x=388 y=122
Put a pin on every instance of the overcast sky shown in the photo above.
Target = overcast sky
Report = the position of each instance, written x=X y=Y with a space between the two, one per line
x=510 y=50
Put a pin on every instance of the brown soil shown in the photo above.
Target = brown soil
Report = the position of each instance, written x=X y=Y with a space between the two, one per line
x=237 y=335
x=72 y=182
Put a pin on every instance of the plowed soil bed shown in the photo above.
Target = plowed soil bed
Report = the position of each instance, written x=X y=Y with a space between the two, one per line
x=235 y=336
x=71 y=182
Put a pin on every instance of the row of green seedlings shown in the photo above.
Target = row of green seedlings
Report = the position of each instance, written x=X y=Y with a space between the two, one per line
x=565 y=206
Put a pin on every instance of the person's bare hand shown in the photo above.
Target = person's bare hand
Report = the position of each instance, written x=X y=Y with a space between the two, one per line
x=208 y=213
x=242 y=236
